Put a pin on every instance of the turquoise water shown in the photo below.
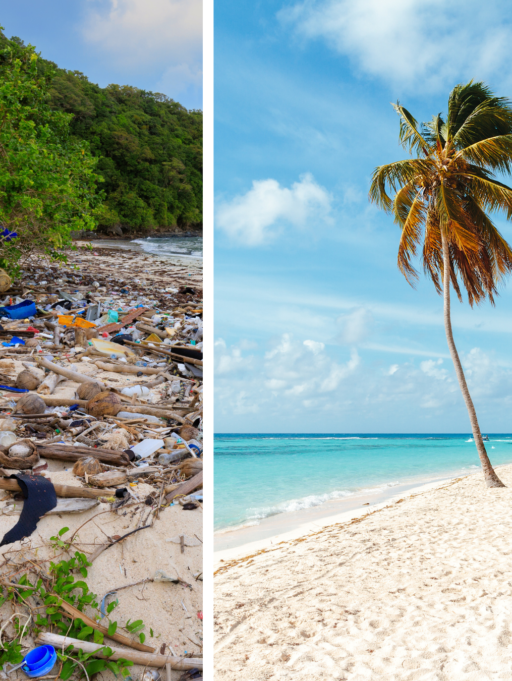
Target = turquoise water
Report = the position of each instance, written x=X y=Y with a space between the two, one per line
x=257 y=476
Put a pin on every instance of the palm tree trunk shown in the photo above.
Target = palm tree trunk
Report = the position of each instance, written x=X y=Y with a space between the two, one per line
x=491 y=479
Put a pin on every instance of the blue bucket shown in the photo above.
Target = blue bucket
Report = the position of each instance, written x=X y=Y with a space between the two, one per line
x=26 y=308
x=39 y=662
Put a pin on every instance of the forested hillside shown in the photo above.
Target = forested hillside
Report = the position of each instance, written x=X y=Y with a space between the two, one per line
x=149 y=149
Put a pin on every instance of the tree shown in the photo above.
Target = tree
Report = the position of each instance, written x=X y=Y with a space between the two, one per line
x=444 y=197
x=47 y=176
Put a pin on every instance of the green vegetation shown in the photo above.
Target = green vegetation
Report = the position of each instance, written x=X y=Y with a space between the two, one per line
x=51 y=589
x=444 y=197
x=148 y=148
x=47 y=176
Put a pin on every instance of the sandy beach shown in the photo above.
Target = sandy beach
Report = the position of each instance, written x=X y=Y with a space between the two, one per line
x=131 y=572
x=417 y=589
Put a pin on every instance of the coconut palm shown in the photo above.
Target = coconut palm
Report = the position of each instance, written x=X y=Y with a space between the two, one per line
x=443 y=198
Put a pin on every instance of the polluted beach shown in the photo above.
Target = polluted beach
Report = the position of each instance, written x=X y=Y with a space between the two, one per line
x=101 y=449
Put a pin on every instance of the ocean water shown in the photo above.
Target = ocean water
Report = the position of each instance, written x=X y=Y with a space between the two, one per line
x=185 y=246
x=257 y=476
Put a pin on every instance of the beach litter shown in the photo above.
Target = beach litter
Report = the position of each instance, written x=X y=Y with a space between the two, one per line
x=100 y=443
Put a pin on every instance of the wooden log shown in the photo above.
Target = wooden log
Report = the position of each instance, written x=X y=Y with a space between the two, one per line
x=49 y=384
x=67 y=491
x=71 y=453
x=68 y=373
x=127 y=368
x=185 y=488
x=162 y=412
x=108 y=479
x=151 y=329
x=63 y=506
x=144 y=659
x=120 y=638
x=173 y=355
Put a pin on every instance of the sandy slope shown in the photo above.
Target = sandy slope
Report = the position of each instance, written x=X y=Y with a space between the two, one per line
x=419 y=590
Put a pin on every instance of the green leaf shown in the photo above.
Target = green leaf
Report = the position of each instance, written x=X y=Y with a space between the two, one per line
x=133 y=627
x=63 y=531
x=111 y=606
x=151 y=632
x=142 y=638
x=87 y=631
x=67 y=669
x=107 y=651
x=98 y=636
x=112 y=628
x=95 y=666
x=113 y=666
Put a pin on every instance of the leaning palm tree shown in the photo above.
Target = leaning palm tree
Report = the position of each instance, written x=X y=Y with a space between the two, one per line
x=443 y=198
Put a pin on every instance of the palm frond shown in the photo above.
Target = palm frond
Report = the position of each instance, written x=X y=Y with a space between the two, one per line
x=435 y=131
x=465 y=99
x=494 y=153
x=453 y=221
x=490 y=194
x=487 y=120
x=410 y=137
x=403 y=202
x=432 y=250
x=394 y=176
x=411 y=237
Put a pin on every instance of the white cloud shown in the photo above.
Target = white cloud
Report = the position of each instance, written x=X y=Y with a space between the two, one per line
x=355 y=326
x=230 y=360
x=138 y=34
x=314 y=346
x=431 y=368
x=259 y=216
x=297 y=386
x=412 y=43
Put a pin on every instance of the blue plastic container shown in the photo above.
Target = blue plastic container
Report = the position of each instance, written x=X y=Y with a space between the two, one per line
x=22 y=310
x=39 y=662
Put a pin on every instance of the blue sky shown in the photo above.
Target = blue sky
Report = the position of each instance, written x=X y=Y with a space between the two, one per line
x=152 y=44
x=316 y=330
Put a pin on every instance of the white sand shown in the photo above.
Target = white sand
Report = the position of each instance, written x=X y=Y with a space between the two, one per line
x=421 y=589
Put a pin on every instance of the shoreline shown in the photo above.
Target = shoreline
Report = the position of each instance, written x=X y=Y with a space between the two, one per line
x=417 y=588
x=235 y=543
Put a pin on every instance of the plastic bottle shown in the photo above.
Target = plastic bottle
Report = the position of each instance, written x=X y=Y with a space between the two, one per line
x=146 y=448
x=137 y=415
x=7 y=438
x=138 y=390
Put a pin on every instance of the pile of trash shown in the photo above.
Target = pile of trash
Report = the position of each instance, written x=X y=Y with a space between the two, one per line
x=101 y=401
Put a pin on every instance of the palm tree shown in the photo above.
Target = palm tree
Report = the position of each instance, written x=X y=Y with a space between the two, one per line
x=443 y=197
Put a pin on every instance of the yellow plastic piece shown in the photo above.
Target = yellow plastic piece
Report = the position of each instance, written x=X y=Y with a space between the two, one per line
x=107 y=348
x=153 y=338
x=67 y=320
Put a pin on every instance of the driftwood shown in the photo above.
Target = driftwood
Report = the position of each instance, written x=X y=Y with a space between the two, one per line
x=120 y=638
x=108 y=479
x=68 y=373
x=127 y=368
x=71 y=453
x=144 y=659
x=174 y=355
x=63 y=506
x=151 y=329
x=49 y=384
x=185 y=487
x=67 y=491
x=162 y=412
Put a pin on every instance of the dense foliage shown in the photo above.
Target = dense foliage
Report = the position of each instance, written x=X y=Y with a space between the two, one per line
x=47 y=176
x=149 y=149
